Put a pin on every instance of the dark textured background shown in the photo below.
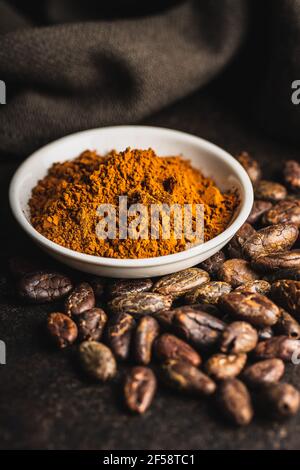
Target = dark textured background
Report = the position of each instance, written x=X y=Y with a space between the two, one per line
x=44 y=401
x=71 y=65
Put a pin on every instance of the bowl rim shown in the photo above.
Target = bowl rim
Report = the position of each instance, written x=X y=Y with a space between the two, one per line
x=244 y=210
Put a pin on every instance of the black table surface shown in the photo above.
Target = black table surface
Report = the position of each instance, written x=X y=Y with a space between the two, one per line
x=45 y=403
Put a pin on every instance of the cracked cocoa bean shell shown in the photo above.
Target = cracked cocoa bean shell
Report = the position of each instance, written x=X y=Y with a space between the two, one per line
x=62 y=330
x=119 y=333
x=44 y=287
x=82 y=298
x=259 y=286
x=139 y=389
x=128 y=286
x=180 y=283
x=272 y=239
x=91 y=324
x=145 y=334
x=254 y=308
x=209 y=293
x=142 y=303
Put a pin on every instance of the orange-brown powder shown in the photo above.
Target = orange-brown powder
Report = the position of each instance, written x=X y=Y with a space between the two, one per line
x=64 y=204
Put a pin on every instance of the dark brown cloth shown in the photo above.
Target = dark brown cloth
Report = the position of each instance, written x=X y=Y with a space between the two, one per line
x=70 y=66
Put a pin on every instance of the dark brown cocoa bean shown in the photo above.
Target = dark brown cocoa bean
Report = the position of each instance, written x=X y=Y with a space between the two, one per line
x=180 y=283
x=287 y=325
x=251 y=166
x=91 y=324
x=142 y=303
x=291 y=174
x=235 y=402
x=223 y=366
x=236 y=272
x=254 y=308
x=62 y=330
x=281 y=347
x=209 y=293
x=168 y=346
x=238 y=337
x=270 y=191
x=259 y=286
x=281 y=400
x=235 y=246
x=200 y=328
x=258 y=209
x=287 y=294
x=119 y=332
x=97 y=360
x=185 y=377
x=139 y=389
x=129 y=286
x=289 y=273
x=284 y=212
x=213 y=264
x=146 y=332
x=43 y=287
x=82 y=298
x=264 y=372
x=272 y=239
x=284 y=260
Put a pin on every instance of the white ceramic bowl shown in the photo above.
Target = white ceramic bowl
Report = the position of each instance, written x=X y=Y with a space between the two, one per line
x=212 y=160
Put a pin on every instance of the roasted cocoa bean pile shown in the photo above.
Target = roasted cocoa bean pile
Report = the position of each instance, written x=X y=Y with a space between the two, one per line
x=223 y=330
